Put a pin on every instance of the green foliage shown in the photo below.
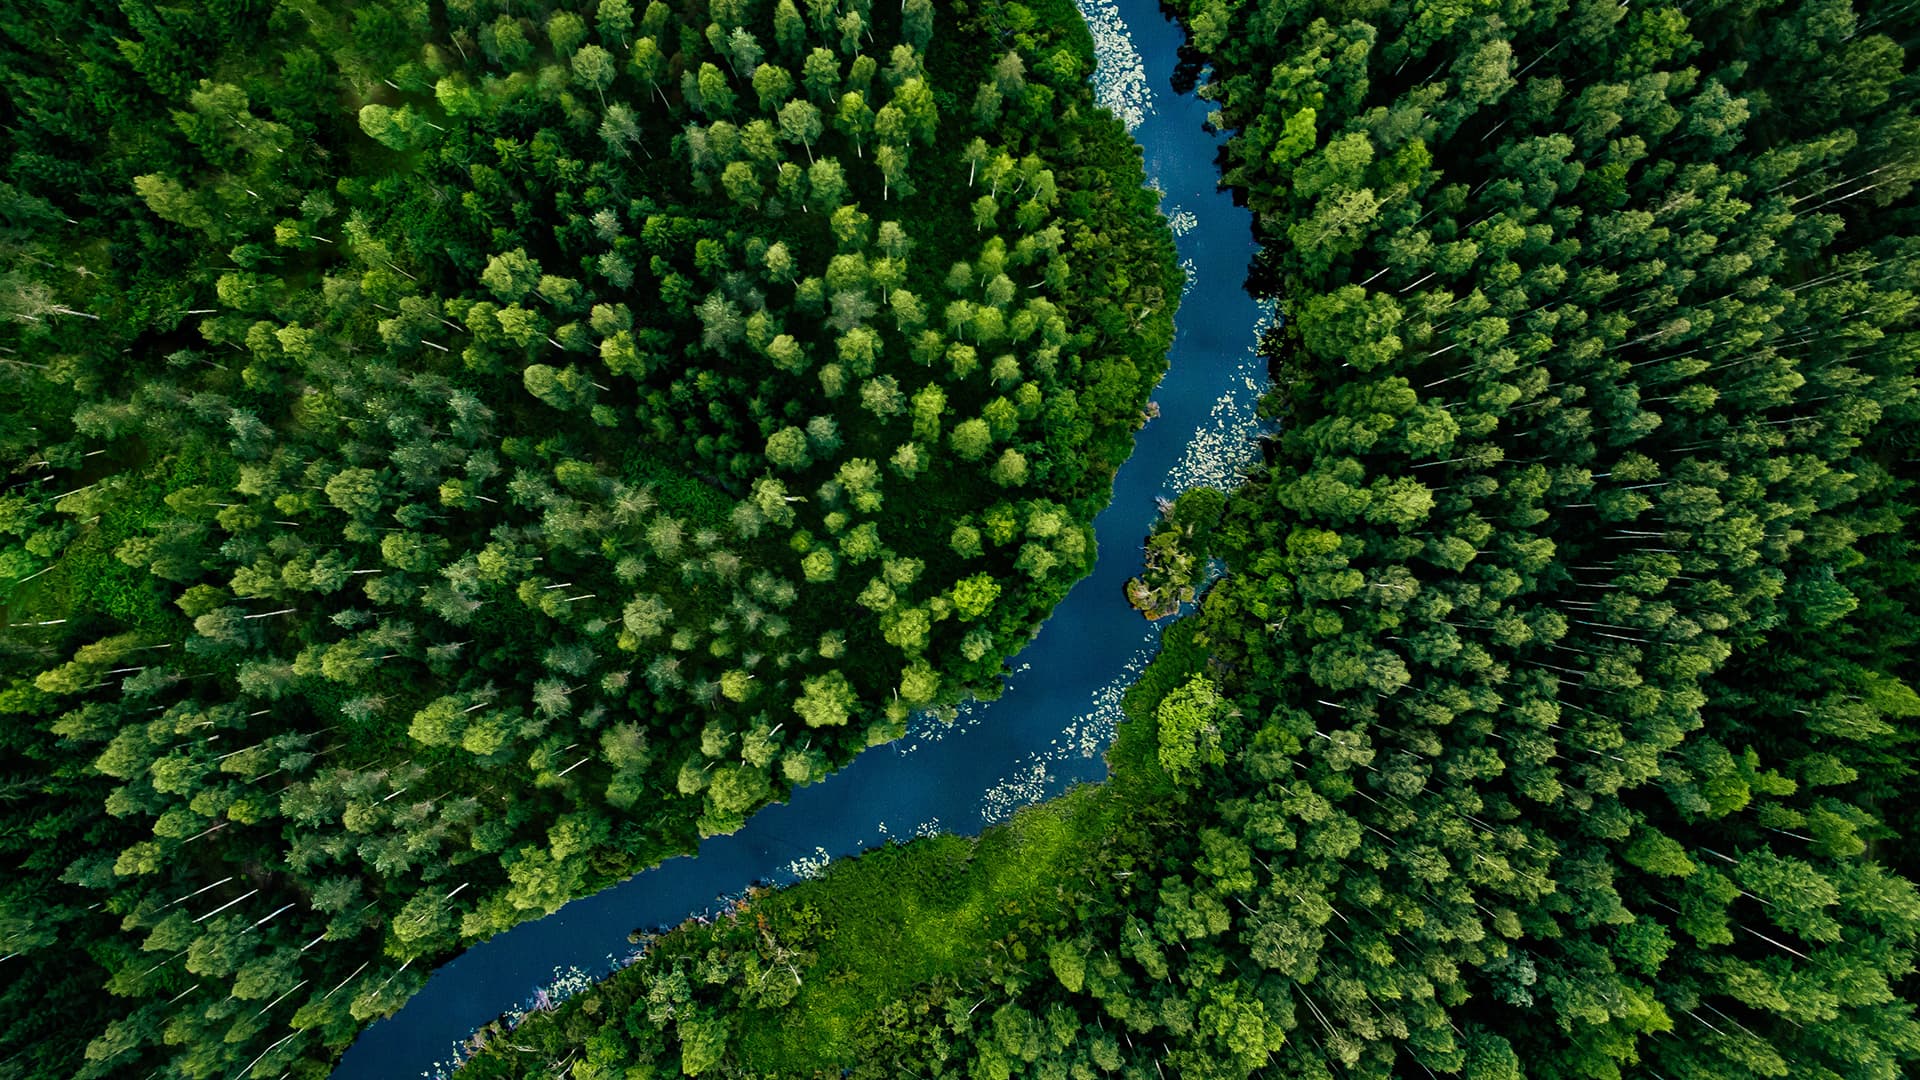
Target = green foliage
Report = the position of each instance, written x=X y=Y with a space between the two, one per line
x=877 y=958
x=1188 y=722
x=366 y=544
x=1553 y=716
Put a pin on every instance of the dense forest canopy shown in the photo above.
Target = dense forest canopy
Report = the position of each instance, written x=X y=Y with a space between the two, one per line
x=1555 y=717
x=454 y=455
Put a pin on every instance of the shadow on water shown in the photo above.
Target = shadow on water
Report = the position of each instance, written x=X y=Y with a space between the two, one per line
x=1048 y=731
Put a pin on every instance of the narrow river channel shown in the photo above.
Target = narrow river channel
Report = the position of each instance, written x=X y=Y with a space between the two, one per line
x=1047 y=732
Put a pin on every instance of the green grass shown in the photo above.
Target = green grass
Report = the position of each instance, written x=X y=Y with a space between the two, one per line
x=903 y=916
x=880 y=930
x=935 y=909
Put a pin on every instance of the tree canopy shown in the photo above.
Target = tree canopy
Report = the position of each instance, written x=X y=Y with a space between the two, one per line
x=455 y=455
x=1554 y=717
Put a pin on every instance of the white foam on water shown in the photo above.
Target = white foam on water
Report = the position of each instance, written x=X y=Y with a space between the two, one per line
x=1023 y=787
x=1119 y=74
x=1086 y=736
x=1228 y=442
x=810 y=866
x=926 y=728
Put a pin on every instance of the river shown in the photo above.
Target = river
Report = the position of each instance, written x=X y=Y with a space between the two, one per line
x=1047 y=732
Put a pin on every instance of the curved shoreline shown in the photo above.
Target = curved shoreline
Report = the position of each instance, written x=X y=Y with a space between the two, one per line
x=1048 y=730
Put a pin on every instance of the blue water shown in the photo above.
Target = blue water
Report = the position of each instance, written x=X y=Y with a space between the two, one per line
x=1048 y=730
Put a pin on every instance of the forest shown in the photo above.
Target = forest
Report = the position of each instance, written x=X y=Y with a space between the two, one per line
x=455 y=455
x=1555 y=715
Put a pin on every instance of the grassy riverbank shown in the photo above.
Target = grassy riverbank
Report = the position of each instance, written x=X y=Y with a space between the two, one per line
x=881 y=943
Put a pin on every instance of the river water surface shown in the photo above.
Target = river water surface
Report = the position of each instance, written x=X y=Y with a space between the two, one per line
x=1048 y=730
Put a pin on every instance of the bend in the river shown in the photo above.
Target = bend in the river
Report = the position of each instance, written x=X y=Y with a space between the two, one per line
x=1049 y=729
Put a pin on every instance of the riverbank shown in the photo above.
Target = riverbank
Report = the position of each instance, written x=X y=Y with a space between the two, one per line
x=1047 y=731
x=1452 y=800
x=836 y=971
